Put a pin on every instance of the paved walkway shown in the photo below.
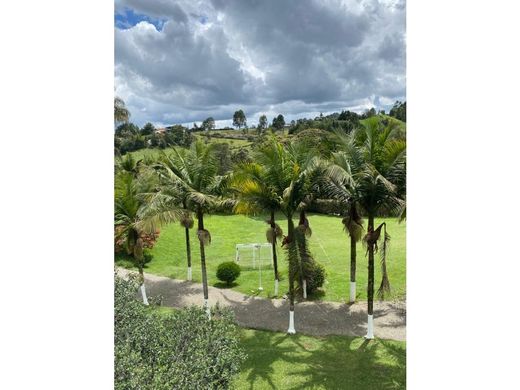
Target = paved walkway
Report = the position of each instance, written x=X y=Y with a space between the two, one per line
x=312 y=318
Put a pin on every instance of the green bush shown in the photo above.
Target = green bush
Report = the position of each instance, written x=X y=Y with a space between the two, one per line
x=228 y=271
x=315 y=275
x=181 y=350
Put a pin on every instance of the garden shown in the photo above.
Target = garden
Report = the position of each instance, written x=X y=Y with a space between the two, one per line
x=285 y=221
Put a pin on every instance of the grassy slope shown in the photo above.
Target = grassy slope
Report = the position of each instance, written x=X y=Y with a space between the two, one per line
x=276 y=360
x=233 y=144
x=329 y=244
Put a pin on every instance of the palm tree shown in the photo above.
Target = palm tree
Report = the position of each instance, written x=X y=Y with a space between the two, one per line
x=258 y=192
x=289 y=171
x=134 y=219
x=121 y=113
x=377 y=184
x=128 y=163
x=173 y=196
x=192 y=175
x=346 y=163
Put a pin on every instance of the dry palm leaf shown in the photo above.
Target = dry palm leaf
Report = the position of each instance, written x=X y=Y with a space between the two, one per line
x=273 y=233
x=384 y=288
x=303 y=225
x=204 y=237
x=186 y=220
x=353 y=223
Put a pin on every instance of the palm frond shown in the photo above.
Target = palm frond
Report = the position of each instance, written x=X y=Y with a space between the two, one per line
x=384 y=288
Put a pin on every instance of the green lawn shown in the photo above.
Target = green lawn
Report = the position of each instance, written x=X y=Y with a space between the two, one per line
x=329 y=244
x=280 y=361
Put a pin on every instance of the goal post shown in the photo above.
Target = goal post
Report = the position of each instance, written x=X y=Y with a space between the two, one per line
x=254 y=253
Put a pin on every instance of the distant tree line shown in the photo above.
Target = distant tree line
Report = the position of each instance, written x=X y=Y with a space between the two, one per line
x=129 y=137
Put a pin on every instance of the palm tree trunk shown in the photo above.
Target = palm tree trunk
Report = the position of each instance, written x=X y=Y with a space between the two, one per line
x=290 y=235
x=275 y=259
x=188 y=252
x=143 y=288
x=353 y=253
x=303 y=280
x=370 y=288
x=200 y=218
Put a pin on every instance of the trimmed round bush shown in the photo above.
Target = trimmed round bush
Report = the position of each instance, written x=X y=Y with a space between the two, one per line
x=228 y=272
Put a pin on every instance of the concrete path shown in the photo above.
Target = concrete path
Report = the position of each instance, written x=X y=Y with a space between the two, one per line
x=312 y=318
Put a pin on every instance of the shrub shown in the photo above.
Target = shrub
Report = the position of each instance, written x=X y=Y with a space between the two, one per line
x=315 y=275
x=228 y=272
x=181 y=350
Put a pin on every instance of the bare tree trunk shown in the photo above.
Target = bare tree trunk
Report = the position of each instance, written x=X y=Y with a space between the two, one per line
x=200 y=218
x=188 y=252
x=303 y=280
x=353 y=253
x=275 y=258
x=370 y=288
x=290 y=235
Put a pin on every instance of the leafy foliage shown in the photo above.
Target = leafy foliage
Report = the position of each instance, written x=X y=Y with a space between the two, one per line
x=182 y=350
x=121 y=113
x=228 y=271
x=239 y=119
x=315 y=275
x=208 y=124
x=278 y=122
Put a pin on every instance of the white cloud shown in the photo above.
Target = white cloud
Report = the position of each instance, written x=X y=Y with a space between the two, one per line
x=294 y=57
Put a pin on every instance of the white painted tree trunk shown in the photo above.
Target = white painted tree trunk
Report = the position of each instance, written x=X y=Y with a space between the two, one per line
x=208 y=310
x=304 y=289
x=370 y=327
x=291 y=329
x=189 y=274
x=143 y=293
x=276 y=287
x=352 y=297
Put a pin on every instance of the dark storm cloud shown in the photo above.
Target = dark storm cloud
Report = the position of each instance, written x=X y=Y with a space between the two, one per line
x=293 y=56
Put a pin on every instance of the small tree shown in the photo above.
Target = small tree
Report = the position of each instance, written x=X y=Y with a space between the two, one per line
x=278 y=122
x=121 y=113
x=134 y=219
x=262 y=124
x=239 y=119
x=208 y=124
x=147 y=129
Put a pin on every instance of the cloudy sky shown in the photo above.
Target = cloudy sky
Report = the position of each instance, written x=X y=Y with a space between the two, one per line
x=183 y=61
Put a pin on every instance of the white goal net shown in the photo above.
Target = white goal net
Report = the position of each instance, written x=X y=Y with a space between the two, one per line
x=254 y=257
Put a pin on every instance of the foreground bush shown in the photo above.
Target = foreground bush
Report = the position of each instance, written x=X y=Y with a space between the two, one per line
x=181 y=350
x=228 y=272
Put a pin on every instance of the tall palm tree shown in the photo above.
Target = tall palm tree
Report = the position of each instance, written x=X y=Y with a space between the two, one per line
x=346 y=163
x=121 y=113
x=133 y=217
x=258 y=192
x=378 y=151
x=193 y=174
x=290 y=170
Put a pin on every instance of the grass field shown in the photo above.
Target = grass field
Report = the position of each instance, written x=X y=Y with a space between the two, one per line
x=329 y=245
x=153 y=152
x=280 y=361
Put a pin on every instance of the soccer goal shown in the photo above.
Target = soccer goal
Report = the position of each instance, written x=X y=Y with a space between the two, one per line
x=255 y=256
